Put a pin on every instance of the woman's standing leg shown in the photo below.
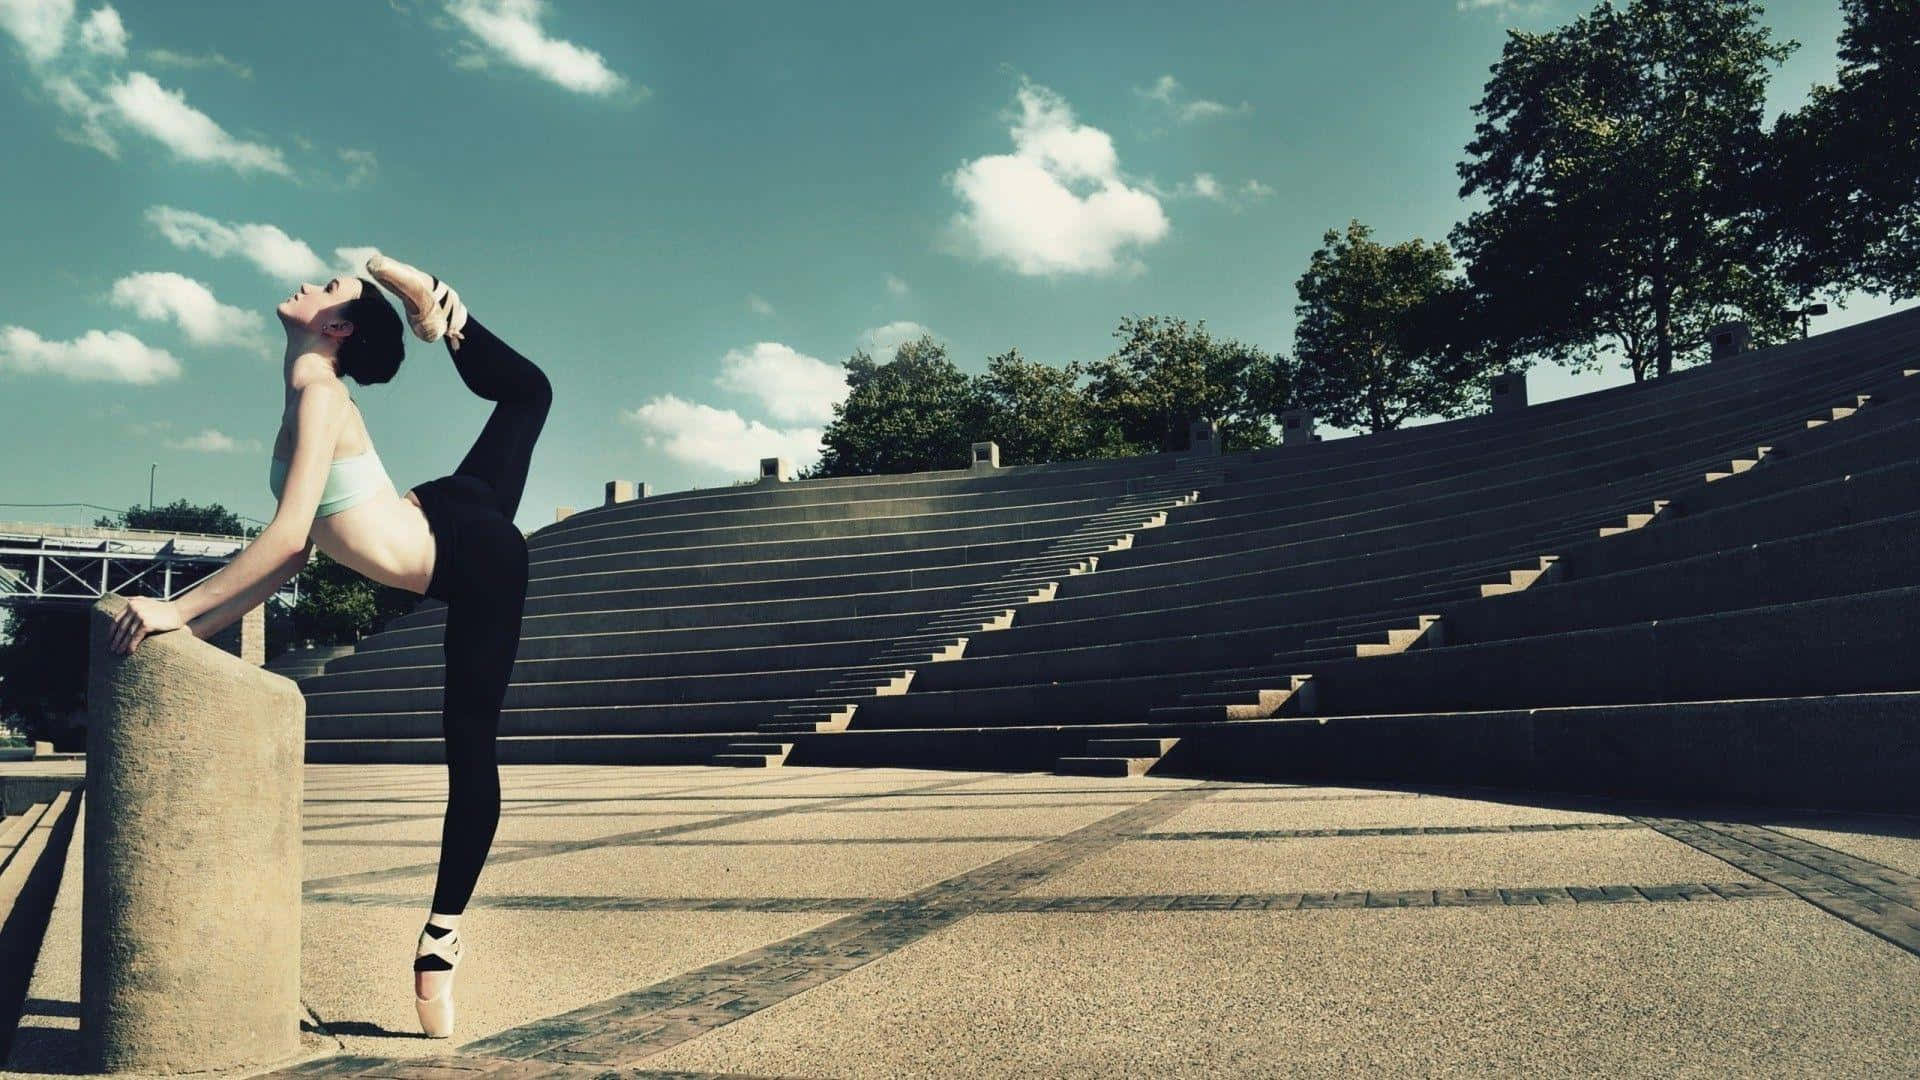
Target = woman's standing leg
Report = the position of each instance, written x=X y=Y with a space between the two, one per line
x=482 y=640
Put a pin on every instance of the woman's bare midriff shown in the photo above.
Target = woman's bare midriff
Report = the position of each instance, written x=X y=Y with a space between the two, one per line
x=384 y=537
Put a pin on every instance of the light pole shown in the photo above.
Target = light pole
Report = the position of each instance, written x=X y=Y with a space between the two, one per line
x=150 y=469
x=1805 y=312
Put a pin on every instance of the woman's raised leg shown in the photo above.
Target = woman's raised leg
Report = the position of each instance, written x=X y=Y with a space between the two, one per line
x=521 y=395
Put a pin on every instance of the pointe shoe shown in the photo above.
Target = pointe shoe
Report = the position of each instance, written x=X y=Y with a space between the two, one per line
x=433 y=308
x=436 y=1013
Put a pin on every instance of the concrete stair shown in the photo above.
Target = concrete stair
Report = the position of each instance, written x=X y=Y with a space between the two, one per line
x=754 y=755
x=1116 y=757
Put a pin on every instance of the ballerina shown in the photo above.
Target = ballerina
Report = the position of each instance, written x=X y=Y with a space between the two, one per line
x=451 y=538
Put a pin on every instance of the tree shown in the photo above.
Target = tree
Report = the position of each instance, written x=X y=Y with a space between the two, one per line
x=1371 y=343
x=1166 y=375
x=1038 y=413
x=337 y=605
x=178 y=516
x=1618 y=155
x=43 y=670
x=1843 y=196
x=912 y=414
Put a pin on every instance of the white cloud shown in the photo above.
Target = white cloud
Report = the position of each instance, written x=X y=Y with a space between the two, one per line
x=896 y=286
x=40 y=26
x=113 y=355
x=792 y=386
x=512 y=29
x=1254 y=189
x=1166 y=88
x=267 y=247
x=170 y=297
x=1020 y=209
x=103 y=34
x=78 y=104
x=882 y=342
x=719 y=439
x=362 y=164
x=170 y=58
x=213 y=441
x=145 y=105
x=759 y=306
x=1503 y=7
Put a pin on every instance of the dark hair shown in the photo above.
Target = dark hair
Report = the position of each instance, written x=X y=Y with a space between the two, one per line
x=372 y=353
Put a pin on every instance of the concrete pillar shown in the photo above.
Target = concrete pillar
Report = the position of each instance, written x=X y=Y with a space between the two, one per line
x=1296 y=428
x=619 y=491
x=562 y=513
x=775 y=470
x=190 y=943
x=1509 y=392
x=1730 y=339
x=245 y=637
x=1203 y=438
x=986 y=455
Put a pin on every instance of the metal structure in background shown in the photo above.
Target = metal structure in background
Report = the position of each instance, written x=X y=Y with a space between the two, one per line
x=70 y=565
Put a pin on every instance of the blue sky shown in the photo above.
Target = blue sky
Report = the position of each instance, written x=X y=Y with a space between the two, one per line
x=688 y=215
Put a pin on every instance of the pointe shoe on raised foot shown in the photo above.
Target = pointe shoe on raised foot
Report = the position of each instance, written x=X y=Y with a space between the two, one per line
x=433 y=307
x=436 y=1013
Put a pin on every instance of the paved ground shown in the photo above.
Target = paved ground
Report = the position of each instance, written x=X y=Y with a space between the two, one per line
x=827 y=922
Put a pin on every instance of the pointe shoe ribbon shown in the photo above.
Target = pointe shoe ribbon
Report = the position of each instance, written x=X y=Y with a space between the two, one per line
x=436 y=1013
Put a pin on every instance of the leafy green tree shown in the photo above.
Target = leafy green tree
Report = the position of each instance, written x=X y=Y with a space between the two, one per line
x=914 y=413
x=1844 y=193
x=43 y=671
x=337 y=605
x=1370 y=346
x=1166 y=375
x=178 y=516
x=1619 y=156
x=1038 y=413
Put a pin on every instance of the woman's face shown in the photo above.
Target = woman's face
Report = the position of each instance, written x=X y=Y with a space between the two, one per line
x=316 y=308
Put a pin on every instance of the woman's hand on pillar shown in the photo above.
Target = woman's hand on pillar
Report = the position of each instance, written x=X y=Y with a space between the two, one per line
x=144 y=615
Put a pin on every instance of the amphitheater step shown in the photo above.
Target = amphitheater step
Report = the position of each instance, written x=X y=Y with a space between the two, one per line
x=753 y=755
x=1380 y=641
x=1740 y=465
x=1635 y=521
x=1104 y=766
x=1153 y=748
x=14 y=832
x=1247 y=704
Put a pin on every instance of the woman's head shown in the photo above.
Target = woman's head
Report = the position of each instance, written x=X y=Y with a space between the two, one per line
x=352 y=314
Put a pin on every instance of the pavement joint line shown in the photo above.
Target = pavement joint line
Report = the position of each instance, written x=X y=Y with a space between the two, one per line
x=563 y=847
x=1491 y=896
x=808 y=841
x=1877 y=899
x=1403 y=830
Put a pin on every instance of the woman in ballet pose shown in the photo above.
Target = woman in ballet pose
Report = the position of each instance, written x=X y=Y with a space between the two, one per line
x=452 y=538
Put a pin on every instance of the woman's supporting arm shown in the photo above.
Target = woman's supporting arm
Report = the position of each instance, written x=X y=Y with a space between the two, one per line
x=238 y=587
x=281 y=549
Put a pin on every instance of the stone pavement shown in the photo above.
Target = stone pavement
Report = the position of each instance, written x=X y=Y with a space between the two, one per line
x=642 y=922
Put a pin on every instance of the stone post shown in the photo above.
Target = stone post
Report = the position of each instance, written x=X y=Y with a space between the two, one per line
x=190 y=942
x=1509 y=392
x=1203 y=438
x=1296 y=428
x=986 y=455
x=1729 y=340
x=619 y=491
x=245 y=637
x=775 y=470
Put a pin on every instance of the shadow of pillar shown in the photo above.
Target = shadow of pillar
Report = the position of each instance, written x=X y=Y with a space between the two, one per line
x=190 y=940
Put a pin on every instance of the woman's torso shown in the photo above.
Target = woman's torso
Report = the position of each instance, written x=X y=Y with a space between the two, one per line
x=384 y=536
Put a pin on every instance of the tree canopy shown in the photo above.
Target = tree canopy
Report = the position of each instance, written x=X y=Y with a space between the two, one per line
x=1619 y=156
x=1371 y=346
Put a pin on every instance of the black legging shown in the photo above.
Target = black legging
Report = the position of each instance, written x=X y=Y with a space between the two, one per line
x=480 y=571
